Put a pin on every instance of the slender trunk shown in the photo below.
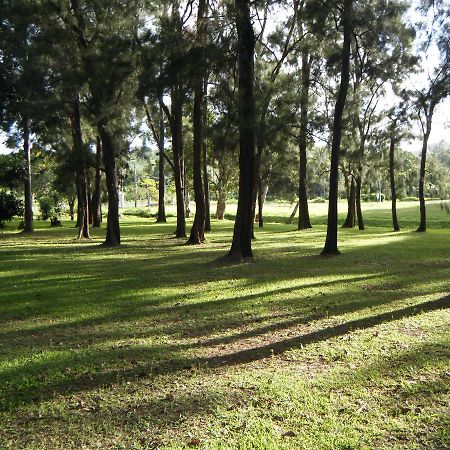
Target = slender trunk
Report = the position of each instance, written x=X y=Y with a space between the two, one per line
x=81 y=175
x=71 y=202
x=178 y=160
x=304 y=221
x=28 y=218
x=197 y=235
x=112 y=186
x=330 y=247
x=358 y=201
x=260 y=202
x=423 y=162
x=97 y=195
x=350 y=219
x=91 y=216
x=392 y=182
x=205 y=163
x=293 y=213
x=241 y=247
x=161 y=217
x=263 y=188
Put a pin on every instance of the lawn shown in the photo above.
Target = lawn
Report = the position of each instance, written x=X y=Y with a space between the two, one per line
x=156 y=345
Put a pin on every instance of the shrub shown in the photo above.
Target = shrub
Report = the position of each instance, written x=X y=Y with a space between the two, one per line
x=51 y=206
x=10 y=206
x=318 y=200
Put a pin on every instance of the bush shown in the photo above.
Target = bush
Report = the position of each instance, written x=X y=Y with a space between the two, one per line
x=318 y=200
x=51 y=206
x=10 y=206
x=410 y=199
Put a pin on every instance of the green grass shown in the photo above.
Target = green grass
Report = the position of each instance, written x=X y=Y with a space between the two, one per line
x=155 y=345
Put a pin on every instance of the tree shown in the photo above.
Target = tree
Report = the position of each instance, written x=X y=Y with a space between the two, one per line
x=331 y=247
x=241 y=247
x=197 y=235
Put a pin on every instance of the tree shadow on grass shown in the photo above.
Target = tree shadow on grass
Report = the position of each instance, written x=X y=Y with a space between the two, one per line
x=149 y=362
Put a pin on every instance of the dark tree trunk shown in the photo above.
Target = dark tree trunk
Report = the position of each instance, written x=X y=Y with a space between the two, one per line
x=81 y=175
x=97 y=195
x=241 y=247
x=263 y=188
x=303 y=217
x=358 y=201
x=178 y=160
x=161 y=217
x=28 y=200
x=71 y=202
x=331 y=247
x=205 y=164
x=91 y=216
x=197 y=235
x=112 y=185
x=350 y=219
x=392 y=182
x=423 y=163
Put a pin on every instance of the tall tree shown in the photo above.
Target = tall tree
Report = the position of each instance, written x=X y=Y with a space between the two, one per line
x=331 y=247
x=241 y=247
x=197 y=235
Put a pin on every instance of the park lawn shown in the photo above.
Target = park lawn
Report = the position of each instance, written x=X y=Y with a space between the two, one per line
x=156 y=345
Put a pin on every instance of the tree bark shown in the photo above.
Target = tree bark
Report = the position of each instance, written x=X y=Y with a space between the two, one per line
x=392 y=182
x=97 y=195
x=28 y=200
x=81 y=175
x=331 y=247
x=220 y=207
x=197 y=235
x=178 y=160
x=205 y=164
x=304 y=221
x=241 y=247
x=112 y=186
x=423 y=162
x=350 y=219
x=161 y=217
x=358 y=201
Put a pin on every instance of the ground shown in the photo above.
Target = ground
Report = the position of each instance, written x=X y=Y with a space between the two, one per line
x=156 y=345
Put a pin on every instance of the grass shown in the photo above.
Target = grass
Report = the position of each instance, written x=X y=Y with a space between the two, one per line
x=153 y=345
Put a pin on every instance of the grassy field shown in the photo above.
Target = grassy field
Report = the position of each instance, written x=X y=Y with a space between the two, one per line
x=155 y=345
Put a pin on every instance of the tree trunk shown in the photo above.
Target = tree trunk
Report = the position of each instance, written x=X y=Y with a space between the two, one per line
x=205 y=164
x=197 y=235
x=263 y=188
x=220 y=207
x=303 y=217
x=241 y=247
x=392 y=182
x=81 y=175
x=423 y=162
x=161 y=217
x=350 y=219
x=71 y=202
x=97 y=195
x=112 y=185
x=331 y=247
x=178 y=160
x=28 y=217
x=358 y=201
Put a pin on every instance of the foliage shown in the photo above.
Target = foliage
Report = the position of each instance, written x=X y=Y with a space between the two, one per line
x=51 y=206
x=10 y=206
